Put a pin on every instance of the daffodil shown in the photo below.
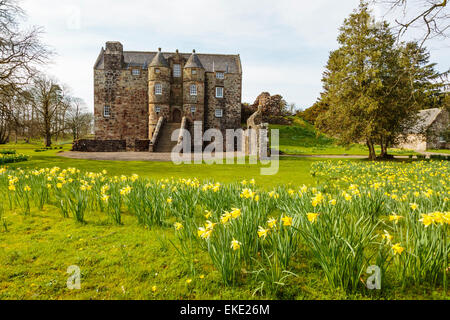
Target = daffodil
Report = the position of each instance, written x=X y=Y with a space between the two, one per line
x=287 y=221
x=427 y=219
x=262 y=232
x=235 y=213
x=312 y=217
x=397 y=248
x=394 y=217
x=178 y=226
x=235 y=245
x=386 y=235
x=272 y=223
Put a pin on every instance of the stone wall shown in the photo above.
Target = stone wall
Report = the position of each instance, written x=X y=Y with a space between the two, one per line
x=411 y=141
x=99 y=145
x=141 y=145
x=132 y=100
x=230 y=103
x=436 y=138
x=125 y=94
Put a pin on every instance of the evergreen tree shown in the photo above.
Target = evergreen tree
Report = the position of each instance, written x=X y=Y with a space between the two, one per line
x=373 y=87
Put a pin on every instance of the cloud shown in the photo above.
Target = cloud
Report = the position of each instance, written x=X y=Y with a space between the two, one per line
x=283 y=44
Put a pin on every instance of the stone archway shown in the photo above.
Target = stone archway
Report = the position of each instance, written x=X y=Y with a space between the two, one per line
x=176 y=115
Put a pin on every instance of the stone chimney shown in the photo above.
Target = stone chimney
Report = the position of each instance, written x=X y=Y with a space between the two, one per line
x=113 y=55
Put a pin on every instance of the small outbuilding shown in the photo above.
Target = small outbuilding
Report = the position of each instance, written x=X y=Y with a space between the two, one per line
x=430 y=132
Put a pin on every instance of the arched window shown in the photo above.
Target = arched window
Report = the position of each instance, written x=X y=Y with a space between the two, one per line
x=193 y=90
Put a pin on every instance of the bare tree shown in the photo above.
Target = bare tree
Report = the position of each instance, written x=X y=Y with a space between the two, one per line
x=21 y=52
x=47 y=98
x=79 y=121
x=430 y=16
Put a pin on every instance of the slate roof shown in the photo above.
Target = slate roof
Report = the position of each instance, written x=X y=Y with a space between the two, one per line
x=425 y=120
x=211 y=62
x=193 y=61
x=159 y=60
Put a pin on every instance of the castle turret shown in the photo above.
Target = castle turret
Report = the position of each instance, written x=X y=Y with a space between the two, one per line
x=158 y=90
x=194 y=88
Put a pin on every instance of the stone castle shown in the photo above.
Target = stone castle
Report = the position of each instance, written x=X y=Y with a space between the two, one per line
x=140 y=98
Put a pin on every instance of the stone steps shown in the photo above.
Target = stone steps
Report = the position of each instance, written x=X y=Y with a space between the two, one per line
x=164 y=143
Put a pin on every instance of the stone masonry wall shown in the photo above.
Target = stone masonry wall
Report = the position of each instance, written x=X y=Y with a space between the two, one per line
x=437 y=130
x=132 y=100
x=230 y=103
x=126 y=94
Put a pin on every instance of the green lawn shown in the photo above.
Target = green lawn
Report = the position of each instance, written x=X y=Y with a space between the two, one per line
x=447 y=151
x=291 y=171
x=302 y=138
x=133 y=262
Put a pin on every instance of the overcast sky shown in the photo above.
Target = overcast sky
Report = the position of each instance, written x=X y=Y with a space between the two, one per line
x=284 y=45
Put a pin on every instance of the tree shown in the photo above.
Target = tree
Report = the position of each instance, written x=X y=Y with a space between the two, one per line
x=431 y=16
x=79 y=121
x=21 y=52
x=373 y=88
x=312 y=113
x=47 y=98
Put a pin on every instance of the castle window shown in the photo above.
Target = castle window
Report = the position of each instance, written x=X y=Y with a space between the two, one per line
x=220 y=75
x=193 y=90
x=135 y=72
x=158 y=88
x=157 y=109
x=194 y=71
x=176 y=70
x=156 y=70
x=106 y=111
x=218 y=113
x=193 y=109
x=219 y=92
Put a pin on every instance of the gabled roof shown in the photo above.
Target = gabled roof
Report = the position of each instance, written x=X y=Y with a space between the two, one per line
x=193 y=61
x=426 y=118
x=211 y=62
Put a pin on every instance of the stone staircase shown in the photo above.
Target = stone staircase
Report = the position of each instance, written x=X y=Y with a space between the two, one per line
x=164 y=143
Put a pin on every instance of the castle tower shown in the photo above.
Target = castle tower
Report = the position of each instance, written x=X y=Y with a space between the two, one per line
x=194 y=89
x=158 y=90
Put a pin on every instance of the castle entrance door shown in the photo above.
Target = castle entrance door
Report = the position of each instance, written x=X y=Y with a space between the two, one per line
x=176 y=115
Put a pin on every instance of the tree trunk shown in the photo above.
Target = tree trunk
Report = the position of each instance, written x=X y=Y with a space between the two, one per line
x=48 y=135
x=372 y=154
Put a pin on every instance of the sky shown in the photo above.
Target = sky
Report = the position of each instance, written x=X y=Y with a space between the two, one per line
x=283 y=44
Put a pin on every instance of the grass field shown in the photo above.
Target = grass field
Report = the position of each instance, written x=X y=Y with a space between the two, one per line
x=135 y=261
x=302 y=138
x=440 y=151
x=292 y=170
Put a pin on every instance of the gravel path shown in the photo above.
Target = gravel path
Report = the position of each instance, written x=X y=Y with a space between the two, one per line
x=165 y=156
x=125 y=156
